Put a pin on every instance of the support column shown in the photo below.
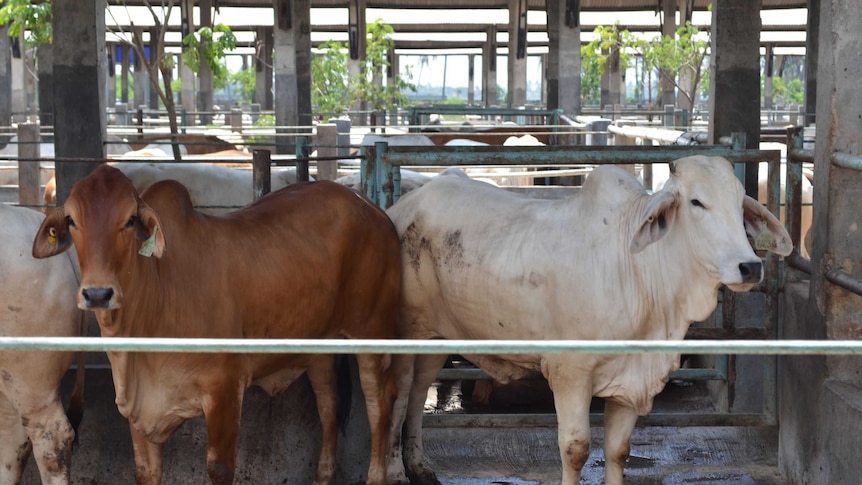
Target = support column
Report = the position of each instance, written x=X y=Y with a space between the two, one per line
x=45 y=69
x=564 y=57
x=5 y=78
x=284 y=65
x=263 y=68
x=152 y=95
x=471 y=78
x=356 y=36
x=110 y=77
x=140 y=78
x=302 y=19
x=812 y=48
x=124 y=73
x=734 y=92
x=669 y=29
x=205 y=77
x=187 y=76
x=79 y=108
x=489 y=67
x=767 y=78
x=517 y=65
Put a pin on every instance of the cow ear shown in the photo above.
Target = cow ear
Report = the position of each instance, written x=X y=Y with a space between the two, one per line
x=148 y=229
x=657 y=219
x=53 y=236
x=764 y=228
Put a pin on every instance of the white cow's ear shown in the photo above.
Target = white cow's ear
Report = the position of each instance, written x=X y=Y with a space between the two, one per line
x=53 y=236
x=148 y=230
x=763 y=227
x=657 y=219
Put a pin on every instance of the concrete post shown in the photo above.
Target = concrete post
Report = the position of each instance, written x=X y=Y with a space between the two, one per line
x=124 y=73
x=28 y=169
x=205 y=76
x=19 y=95
x=5 y=78
x=767 y=79
x=263 y=68
x=563 y=71
x=187 y=76
x=734 y=98
x=286 y=103
x=812 y=54
x=235 y=120
x=140 y=79
x=327 y=139
x=79 y=108
x=356 y=29
x=45 y=69
x=489 y=67
x=669 y=29
x=343 y=127
x=110 y=77
x=471 y=79
x=517 y=65
x=302 y=19
x=152 y=95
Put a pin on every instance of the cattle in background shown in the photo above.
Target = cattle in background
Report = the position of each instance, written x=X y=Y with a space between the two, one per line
x=609 y=262
x=36 y=300
x=313 y=260
x=216 y=189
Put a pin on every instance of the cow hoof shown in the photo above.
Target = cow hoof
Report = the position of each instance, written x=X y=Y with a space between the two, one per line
x=423 y=477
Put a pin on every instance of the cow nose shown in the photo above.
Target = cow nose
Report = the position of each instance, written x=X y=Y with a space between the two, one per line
x=97 y=297
x=750 y=272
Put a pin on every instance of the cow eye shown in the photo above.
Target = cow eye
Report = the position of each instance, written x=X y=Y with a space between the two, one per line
x=69 y=221
x=131 y=221
x=697 y=203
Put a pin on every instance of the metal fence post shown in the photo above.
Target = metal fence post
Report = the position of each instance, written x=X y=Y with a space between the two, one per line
x=302 y=159
x=261 y=164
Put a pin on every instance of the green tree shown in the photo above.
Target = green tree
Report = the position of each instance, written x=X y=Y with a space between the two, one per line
x=334 y=91
x=34 y=20
x=679 y=58
x=609 y=40
x=211 y=44
x=243 y=82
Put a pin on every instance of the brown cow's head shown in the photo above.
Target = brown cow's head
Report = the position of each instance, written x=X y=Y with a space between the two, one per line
x=107 y=221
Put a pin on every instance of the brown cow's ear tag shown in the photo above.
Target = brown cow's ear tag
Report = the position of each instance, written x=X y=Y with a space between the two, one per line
x=149 y=245
x=52 y=236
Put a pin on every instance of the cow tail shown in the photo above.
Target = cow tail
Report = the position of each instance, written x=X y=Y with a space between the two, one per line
x=75 y=411
x=345 y=391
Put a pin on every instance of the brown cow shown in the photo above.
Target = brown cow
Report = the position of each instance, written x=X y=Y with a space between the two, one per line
x=313 y=260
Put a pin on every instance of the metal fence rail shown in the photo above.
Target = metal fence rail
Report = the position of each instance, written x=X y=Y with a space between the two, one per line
x=405 y=346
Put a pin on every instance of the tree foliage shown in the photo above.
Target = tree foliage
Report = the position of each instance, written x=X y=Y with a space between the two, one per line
x=609 y=40
x=210 y=44
x=334 y=90
x=34 y=20
x=678 y=57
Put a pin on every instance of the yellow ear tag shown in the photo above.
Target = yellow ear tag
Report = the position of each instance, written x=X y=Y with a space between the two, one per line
x=52 y=236
x=149 y=245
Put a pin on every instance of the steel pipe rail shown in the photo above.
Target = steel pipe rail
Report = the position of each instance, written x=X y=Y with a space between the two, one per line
x=395 y=346
x=846 y=160
x=406 y=156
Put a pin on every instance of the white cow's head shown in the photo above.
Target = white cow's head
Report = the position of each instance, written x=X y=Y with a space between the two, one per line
x=705 y=208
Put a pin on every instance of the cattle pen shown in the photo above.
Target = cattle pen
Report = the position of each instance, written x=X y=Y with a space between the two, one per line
x=381 y=180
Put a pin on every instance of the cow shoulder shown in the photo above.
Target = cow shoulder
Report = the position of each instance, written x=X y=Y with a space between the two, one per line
x=611 y=185
x=168 y=196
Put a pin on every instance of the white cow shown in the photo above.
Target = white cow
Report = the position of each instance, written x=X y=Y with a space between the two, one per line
x=609 y=262
x=35 y=301
x=214 y=188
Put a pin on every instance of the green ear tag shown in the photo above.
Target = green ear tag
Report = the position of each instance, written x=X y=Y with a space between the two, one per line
x=149 y=245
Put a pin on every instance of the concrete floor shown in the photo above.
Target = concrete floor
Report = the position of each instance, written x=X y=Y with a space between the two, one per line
x=660 y=455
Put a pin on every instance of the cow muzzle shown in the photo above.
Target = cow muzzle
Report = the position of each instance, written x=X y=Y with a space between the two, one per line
x=97 y=298
x=751 y=273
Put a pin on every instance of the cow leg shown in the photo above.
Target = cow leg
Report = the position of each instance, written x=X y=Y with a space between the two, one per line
x=572 y=399
x=426 y=370
x=148 y=459
x=402 y=366
x=51 y=436
x=378 y=386
x=321 y=373
x=222 y=412
x=14 y=444
x=619 y=422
